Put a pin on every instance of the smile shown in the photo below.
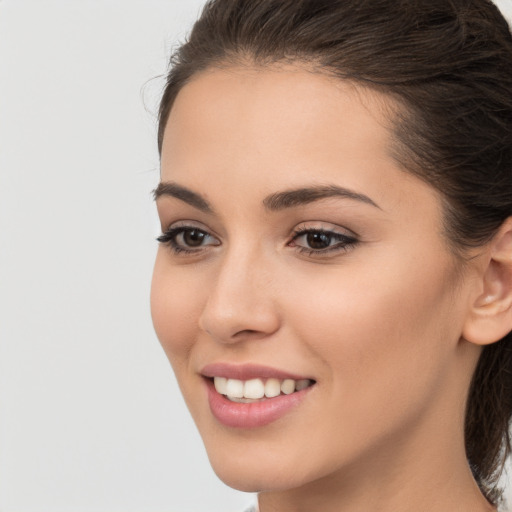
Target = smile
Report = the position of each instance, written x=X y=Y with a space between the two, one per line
x=251 y=396
x=258 y=389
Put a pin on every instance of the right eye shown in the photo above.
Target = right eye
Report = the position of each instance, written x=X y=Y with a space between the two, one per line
x=187 y=239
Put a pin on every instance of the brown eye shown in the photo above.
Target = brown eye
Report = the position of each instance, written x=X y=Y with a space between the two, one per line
x=193 y=237
x=318 y=240
x=184 y=239
x=322 y=242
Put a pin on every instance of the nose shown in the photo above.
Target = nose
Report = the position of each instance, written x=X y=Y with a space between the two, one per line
x=242 y=302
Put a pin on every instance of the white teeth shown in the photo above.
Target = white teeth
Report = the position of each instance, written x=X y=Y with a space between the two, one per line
x=235 y=388
x=220 y=384
x=256 y=389
x=288 y=386
x=272 y=388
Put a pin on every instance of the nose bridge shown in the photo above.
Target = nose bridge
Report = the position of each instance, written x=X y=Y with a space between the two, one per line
x=241 y=301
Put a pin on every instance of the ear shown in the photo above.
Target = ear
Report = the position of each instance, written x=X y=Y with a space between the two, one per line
x=490 y=317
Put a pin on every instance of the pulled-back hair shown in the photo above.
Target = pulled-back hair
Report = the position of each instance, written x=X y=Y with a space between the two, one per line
x=447 y=65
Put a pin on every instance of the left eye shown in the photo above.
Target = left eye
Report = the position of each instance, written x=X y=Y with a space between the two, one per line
x=316 y=241
x=192 y=237
x=183 y=239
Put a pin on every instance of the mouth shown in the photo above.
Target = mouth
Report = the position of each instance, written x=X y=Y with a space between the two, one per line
x=250 y=396
x=257 y=389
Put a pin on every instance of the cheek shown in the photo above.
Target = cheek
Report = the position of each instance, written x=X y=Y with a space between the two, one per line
x=176 y=302
x=382 y=337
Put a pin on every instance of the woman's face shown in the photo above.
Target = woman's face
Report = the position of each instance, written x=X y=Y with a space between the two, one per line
x=295 y=249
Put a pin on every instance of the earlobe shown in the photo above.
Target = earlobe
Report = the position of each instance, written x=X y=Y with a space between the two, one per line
x=490 y=317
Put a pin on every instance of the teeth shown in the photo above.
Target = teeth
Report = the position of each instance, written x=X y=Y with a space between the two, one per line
x=302 y=384
x=220 y=385
x=256 y=389
x=288 y=386
x=272 y=388
x=235 y=388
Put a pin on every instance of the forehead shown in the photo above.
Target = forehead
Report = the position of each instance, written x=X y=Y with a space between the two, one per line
x=285 y=92
x=274 y=116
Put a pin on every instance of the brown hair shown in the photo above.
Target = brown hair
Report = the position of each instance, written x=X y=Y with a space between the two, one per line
x=448 y=63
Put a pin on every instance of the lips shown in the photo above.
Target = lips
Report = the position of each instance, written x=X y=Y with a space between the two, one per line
x=250 y=396
x=247 y=371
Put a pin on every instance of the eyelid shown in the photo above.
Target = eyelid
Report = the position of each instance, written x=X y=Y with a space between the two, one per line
x=327 y=227
x=189 y=224
x=185 y=223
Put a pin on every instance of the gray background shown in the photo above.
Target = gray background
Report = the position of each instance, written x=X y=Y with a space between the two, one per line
x=90 y=416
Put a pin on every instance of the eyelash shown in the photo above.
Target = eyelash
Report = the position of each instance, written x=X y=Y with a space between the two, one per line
x=169 y=238
x=343 y=243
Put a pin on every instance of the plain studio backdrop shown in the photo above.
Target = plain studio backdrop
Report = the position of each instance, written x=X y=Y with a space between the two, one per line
x=90 y=415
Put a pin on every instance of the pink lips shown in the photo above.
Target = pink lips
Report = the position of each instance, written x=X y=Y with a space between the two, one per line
x=246 y=372
x=255 y=414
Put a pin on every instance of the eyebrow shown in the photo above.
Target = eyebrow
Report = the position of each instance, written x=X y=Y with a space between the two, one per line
x=166 y=188
x=300 y=196
x=274 y=202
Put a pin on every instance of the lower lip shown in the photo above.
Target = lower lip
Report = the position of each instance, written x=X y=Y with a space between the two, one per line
x=255 y=414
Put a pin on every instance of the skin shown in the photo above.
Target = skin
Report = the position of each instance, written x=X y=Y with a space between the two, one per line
x=377 y=323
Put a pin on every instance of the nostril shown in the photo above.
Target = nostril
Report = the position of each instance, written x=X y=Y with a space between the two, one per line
x=246 y=332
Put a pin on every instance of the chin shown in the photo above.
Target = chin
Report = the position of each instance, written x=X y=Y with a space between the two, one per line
x=254 y=479
x=242 y=482
x=265 y=469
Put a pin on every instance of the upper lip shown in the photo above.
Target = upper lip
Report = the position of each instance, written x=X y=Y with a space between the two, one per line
x=247 y=371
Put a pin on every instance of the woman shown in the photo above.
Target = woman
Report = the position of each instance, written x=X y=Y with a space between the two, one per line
x=333 y=286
